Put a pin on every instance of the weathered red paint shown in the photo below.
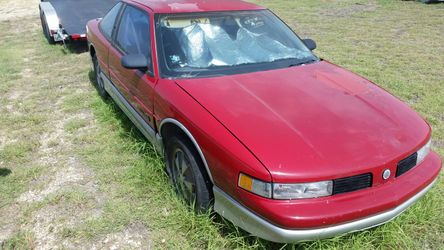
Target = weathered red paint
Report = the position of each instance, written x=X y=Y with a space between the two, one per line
x=301 y=124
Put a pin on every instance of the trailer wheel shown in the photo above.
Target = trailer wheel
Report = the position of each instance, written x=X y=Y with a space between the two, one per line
x=100 y=86
x=45 y=29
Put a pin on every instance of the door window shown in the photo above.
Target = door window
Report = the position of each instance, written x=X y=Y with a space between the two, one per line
x=133 y=36
x=107 y=23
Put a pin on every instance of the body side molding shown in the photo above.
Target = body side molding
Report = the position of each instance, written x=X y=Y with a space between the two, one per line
x=132 y=114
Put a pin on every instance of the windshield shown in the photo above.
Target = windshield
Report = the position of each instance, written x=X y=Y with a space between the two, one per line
x=221 y=43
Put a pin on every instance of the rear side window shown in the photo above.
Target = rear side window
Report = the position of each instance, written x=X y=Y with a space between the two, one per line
x=107 y=23
x=133 y=36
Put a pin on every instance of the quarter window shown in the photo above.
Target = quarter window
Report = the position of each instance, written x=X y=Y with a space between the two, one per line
x=107 y=23
x=133 y=36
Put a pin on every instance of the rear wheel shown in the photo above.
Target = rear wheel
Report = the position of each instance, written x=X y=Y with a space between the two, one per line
x=45 y=29
x=187 y=173
x=99 y=81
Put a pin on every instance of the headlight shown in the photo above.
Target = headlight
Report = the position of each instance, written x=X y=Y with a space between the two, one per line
x=302 y=190
x=255 y=186
x=423 y=152
x=285 y=191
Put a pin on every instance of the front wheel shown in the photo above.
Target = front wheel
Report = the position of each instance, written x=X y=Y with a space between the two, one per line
x=187 y=173
x=99 y=81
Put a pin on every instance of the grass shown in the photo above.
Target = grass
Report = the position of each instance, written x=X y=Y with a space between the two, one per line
x=15 y=182
x=397 y=44
x=22 y=240
x=16 y=151
x=75 y=124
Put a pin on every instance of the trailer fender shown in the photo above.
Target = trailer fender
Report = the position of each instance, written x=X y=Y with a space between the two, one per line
x=51 y=17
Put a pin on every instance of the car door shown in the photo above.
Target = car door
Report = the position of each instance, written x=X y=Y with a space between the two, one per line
x=101 y=45
x=132 y=36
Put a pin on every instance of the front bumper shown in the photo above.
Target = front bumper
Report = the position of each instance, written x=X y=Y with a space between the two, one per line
x=230 y=209
x=311 y=219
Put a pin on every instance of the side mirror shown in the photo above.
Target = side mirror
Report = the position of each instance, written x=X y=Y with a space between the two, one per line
x=135 y=61
x=311 y=45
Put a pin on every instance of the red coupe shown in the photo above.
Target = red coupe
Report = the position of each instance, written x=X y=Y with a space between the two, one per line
x=284 y=144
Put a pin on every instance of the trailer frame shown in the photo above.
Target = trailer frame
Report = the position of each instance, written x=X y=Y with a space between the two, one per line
x=65 y=20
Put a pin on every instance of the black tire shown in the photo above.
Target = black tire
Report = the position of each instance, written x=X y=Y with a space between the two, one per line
x=100 y=85
x=192 y=183
x=45 y=29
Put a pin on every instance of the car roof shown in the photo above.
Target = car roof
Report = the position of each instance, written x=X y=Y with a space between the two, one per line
x=181 y=6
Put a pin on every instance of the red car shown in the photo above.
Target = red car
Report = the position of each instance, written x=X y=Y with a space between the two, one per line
x=282 y=143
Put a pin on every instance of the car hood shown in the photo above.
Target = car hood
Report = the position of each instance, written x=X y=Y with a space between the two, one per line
x=311 y=122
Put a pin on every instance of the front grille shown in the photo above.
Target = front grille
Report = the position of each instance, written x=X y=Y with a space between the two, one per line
x=406 y=164
x=353 y=183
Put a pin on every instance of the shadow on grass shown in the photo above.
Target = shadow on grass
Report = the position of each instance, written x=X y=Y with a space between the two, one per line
x=75 y=47
x=436 y=2
x=130 y=130
x=5 y=172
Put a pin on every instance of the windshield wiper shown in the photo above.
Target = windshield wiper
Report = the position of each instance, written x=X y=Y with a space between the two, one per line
x=302 y=63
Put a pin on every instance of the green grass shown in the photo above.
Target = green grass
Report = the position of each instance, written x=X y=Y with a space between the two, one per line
x=14 y=183
x=75 y=124
x=9 y=69
x=22 y=241
x=16 y=151
x=397 y=44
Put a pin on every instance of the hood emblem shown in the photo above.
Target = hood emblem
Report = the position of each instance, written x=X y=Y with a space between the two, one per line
x=386 y=174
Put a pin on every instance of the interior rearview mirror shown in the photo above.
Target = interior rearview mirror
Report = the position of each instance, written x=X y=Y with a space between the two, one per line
x=135 y=61
x=310 y=43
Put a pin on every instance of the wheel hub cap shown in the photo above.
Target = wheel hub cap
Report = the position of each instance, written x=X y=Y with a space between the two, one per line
x=183 y=176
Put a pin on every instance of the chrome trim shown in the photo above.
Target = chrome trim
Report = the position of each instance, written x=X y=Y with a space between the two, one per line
x=132 y=114
x=50 y=15
x=159 y=144
x=190 y=136
x=252 y=223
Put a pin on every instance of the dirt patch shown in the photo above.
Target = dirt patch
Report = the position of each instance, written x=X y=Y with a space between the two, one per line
x=71 y=174
x=48 y=223
x=50 y=143
x=8 y=225
x=2 y=142
x=349 y=10
x=73 y=196
x=134 y=236
x=53 y=142
x=27 y=73
x=18 y=94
